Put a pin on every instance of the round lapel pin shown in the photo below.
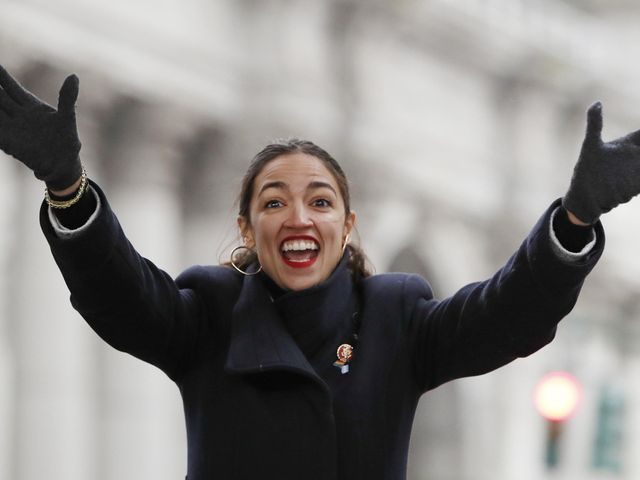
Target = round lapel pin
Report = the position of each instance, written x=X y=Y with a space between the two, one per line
x=344 y=353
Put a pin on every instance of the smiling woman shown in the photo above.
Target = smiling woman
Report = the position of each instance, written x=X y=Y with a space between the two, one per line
x=254 y=349
x=294 y=212
x=331 y=181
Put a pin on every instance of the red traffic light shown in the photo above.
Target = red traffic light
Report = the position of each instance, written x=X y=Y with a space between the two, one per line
x=557 y=395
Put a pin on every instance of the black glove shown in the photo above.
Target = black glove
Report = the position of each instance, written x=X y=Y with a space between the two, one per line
x=41 y=137
x=606 y=175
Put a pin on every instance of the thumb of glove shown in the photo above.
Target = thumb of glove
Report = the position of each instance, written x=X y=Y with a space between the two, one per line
x=594 y=124
x=68 y=95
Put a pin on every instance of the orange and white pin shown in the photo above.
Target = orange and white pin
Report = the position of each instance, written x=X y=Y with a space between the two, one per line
x=344 y=353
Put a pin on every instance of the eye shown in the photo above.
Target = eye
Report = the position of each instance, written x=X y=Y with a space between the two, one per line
x=322 y=203
x=273 y=204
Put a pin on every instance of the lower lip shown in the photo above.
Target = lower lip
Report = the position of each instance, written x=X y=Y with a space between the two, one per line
x=305 y=264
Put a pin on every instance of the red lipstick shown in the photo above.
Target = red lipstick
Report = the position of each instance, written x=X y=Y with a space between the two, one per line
x=299 y=258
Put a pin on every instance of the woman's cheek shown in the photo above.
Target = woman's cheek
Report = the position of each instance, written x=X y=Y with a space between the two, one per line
x=330 y=218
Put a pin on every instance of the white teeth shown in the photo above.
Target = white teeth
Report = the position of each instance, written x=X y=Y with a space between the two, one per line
x=299 y=245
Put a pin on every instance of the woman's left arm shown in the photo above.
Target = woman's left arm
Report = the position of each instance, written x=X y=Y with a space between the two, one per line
x=512 y=314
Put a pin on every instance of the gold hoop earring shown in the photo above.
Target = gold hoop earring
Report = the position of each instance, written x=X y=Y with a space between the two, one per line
x=346 y=240
x=248 y=274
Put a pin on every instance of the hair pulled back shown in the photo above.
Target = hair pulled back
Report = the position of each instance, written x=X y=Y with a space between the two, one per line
x=358 y=263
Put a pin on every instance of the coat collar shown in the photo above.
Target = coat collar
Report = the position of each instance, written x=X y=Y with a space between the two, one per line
x=267 y=334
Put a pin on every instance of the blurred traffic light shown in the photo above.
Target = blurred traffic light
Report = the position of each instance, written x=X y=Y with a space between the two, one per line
x=556 y=397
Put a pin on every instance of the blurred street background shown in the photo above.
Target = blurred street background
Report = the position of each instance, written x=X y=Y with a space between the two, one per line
x=458 y=123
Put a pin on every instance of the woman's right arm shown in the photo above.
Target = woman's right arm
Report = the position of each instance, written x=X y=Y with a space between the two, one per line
x=132 y=304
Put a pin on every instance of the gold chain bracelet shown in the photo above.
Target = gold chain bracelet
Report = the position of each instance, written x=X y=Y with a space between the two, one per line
x=84 y=184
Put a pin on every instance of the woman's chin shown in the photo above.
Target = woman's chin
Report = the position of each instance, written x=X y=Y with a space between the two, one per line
x=296 y=284
x=298 y=279
x=301 y=275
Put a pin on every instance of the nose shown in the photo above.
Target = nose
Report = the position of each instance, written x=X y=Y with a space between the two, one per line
x=298 y=217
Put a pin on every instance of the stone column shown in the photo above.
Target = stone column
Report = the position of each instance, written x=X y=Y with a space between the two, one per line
x=142 y=421
x=8 y=243
x=211 y=181
x=52 y=387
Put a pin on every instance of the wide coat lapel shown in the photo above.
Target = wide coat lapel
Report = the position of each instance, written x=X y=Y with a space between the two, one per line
x=259 y=338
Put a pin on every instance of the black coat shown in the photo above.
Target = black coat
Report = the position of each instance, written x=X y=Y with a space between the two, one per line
x=261 y=396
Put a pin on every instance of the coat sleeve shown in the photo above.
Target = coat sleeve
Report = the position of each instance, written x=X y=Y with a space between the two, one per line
x=130 y=303
x=488 y=324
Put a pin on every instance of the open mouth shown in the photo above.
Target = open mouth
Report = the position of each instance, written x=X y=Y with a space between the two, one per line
x=299 y=252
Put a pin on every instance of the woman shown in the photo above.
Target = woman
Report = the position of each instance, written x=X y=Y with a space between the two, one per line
x=252 y=345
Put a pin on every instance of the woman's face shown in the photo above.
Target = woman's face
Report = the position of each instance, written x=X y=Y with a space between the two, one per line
x=297 y=221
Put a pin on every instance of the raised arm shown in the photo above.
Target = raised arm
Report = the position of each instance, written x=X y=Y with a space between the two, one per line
x=133 y=305
x=488 y=324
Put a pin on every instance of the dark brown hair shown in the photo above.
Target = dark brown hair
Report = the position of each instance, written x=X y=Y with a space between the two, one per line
x=358 y=262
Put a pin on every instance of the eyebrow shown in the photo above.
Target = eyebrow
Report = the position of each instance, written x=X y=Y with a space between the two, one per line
x=283 y=186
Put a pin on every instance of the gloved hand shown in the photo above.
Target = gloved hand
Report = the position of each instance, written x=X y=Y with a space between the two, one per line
x=43 y=138
x=606 y=174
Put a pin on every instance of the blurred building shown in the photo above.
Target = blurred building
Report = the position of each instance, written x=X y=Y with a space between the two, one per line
x=458 y=123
